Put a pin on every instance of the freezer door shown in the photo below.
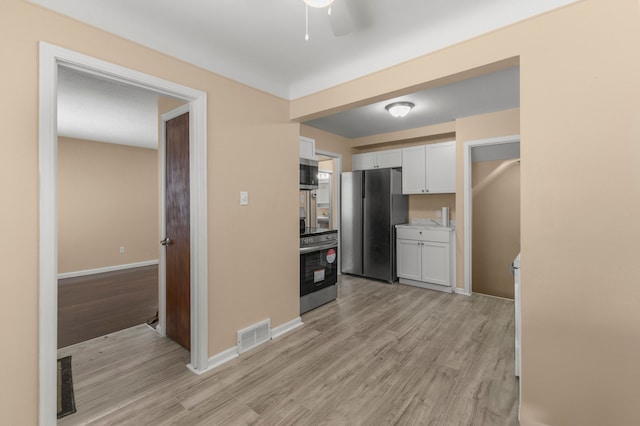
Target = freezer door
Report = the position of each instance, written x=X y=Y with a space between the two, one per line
x=377 y=232
x=399 y=202
x=351 y=222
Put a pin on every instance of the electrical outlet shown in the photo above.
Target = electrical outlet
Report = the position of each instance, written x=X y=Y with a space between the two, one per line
x=122 y=249
x=244 y=198
x=438 y=213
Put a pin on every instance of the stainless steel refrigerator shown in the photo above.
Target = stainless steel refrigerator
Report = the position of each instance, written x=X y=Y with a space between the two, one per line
x=371 y=205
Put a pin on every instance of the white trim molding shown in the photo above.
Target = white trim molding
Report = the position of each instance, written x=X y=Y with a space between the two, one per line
x=337 y=176
x=468 y=200
x=461 y=291
x=217 y=360
x=286 y=327
x=52 y=57
x=229 y=354
x=104 y=269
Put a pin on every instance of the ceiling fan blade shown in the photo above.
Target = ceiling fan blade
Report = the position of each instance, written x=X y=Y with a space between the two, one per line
x=340 y=18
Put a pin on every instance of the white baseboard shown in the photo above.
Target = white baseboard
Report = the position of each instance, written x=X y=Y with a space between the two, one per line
x=286 y=327
x=462 y=291
x=428 y=286
x=231 y=353
x=106 y=269
x=495 y=297
x=217 y=360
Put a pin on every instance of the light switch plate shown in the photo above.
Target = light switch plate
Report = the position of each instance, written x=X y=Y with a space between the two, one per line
x=244 y=198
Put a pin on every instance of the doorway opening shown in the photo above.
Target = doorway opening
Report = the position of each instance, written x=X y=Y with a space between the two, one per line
x=495 y=158
x=328 y=205
x=51 y=58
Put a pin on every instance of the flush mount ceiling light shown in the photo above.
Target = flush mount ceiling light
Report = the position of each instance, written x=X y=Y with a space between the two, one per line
x=399 y=109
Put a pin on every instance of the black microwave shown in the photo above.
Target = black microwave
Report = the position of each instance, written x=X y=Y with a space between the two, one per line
x=308 y=174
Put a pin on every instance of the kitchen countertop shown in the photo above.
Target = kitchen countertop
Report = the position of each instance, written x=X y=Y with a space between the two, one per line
x=428 y=224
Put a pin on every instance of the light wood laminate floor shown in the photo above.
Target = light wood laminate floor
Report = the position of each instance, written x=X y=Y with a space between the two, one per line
x=380 y=354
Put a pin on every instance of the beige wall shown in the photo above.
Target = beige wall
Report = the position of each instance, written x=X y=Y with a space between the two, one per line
x=331 y=142
x=579 y=127
x=427 y=206
x=496 y=225
x=107 y=198
x=254 y=140
x=579 y=109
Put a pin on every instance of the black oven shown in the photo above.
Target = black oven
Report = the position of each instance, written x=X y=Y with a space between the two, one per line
x=308 y=174
x=318 y=267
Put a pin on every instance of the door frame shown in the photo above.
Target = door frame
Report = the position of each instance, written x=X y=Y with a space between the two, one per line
x=338 y=171
x=51 y=57
x=468 y=200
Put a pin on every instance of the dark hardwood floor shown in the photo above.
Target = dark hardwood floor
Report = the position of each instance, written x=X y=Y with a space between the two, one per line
x=96 y=305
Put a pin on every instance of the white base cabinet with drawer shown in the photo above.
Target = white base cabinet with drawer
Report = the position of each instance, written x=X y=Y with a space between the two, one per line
x=426 y=257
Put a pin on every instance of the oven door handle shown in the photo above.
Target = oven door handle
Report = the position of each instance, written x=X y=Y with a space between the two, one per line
x=311 y=249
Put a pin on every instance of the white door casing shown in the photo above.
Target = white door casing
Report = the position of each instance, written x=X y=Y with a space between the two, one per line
x=51 y=57
x=468 y=200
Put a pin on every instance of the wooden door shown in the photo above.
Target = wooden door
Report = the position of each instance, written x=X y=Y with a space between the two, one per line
x=177 y=245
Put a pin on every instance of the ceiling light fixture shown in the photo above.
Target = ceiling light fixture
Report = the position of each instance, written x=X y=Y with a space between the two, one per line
x=399 y=109
x=318 y=4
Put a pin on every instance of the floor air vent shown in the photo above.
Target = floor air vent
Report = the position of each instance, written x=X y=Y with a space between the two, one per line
x=254 y=335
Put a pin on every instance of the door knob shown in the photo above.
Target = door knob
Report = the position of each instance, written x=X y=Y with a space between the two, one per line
x=166 y=242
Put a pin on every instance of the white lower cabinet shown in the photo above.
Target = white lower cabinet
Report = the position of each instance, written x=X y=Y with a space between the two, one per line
x=409 y=259
x=425 y=257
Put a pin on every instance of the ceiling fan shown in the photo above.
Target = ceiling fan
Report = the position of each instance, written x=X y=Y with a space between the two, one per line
x=338 y=12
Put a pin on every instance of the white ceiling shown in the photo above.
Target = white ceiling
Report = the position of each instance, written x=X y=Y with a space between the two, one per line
x=487 y=93
x=261 y=43
x=106 y=111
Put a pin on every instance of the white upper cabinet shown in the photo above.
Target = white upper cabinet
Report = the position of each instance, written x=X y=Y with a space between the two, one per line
x=441 y=167
x=365 y=161
x=413 y=170
x=389 y=158
x=378 y=160
x=307 y=148
x=429 y=169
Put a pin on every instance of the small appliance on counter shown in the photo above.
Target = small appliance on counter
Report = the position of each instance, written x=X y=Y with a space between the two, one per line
x=445 y=216
x=318 y=267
